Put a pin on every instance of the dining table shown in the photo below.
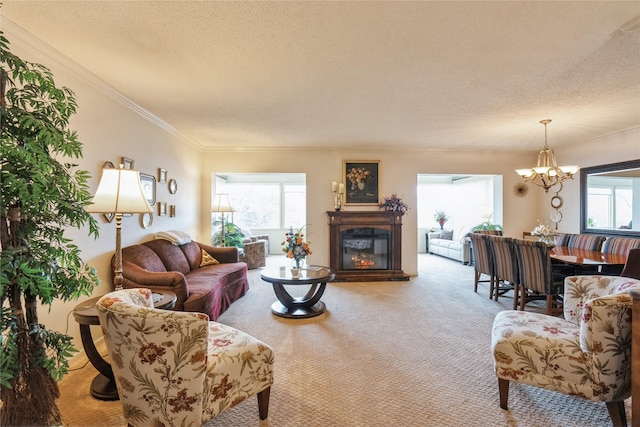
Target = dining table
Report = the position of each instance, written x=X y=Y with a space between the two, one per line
x=585 y=258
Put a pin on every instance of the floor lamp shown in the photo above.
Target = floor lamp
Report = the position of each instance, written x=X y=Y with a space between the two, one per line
x=222 y=204
x=119 y=192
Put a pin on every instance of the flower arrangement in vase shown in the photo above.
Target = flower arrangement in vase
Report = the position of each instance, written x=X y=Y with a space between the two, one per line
x=359 y=177
x=544 y=233
x=295 y=247
x=394 y=204
x=440 y=217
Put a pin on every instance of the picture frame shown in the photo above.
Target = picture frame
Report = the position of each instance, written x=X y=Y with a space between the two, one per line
x=361 y=182
x=146 y=219
x=173 y=186
x=162 y=175
x=148 y=183
x=162 y=208
x=172 y=211
x=127 y=163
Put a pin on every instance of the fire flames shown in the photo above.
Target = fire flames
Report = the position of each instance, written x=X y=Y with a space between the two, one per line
x=362 y=261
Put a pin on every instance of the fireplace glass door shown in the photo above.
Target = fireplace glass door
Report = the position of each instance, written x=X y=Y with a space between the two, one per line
x=365 y=249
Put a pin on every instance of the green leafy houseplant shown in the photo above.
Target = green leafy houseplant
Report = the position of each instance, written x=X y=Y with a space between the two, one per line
x=232 y=234
x=486 y=226
x=41 y=197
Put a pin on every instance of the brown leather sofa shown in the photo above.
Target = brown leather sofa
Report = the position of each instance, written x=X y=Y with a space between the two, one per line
x=210 y=289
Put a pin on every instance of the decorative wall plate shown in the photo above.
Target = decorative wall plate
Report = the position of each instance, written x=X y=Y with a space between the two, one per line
x=556 y=202
x=173 y=186
x=556 y=216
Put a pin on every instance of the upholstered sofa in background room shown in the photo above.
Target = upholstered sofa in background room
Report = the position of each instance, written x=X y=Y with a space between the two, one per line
x=455 y=245
x=205 y=279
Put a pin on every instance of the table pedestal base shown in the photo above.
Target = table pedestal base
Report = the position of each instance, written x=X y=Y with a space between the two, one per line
x=103 y=388
x=297 y=312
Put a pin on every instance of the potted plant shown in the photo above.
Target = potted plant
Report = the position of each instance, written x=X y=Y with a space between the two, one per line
x=232 y=234
x=43 y=194
x=440 y=217
x=394 y=204
x=487 y=226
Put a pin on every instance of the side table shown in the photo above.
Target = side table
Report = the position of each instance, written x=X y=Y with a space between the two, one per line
x=103 y=386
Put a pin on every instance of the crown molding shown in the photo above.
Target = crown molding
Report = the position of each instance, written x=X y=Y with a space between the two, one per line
x=23 y=39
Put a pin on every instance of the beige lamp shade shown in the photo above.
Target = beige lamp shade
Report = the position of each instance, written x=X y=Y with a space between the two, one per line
x=221 y=203
x=119 y=191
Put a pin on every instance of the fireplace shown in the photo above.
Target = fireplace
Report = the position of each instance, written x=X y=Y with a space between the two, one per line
x=365 y=249
x=366 y=246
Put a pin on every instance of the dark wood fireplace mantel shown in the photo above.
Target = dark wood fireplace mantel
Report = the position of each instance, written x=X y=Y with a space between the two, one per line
x=341 y=221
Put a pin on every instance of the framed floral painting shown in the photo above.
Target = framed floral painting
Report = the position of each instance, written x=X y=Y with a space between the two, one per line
x=361 y=182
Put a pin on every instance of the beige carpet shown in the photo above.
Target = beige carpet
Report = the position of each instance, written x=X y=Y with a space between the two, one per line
x=384 y=354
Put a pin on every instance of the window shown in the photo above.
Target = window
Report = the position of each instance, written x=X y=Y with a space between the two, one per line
x=610 y=204
x=265 y=201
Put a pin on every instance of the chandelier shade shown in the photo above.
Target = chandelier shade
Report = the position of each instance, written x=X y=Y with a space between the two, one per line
x=547 y=173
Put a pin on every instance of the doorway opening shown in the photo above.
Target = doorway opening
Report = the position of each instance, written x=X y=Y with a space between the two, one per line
x=467 y=200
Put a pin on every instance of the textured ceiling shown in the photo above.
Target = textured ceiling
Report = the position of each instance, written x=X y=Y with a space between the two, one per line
x=429 y=75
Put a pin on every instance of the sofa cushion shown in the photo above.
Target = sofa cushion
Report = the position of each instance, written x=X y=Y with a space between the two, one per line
x=208 y=259
x=142 y=256
x=447 y=235
x=193 y=253
x=171 y=255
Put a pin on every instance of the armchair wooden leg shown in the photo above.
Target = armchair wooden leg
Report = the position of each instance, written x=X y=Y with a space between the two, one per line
x=263 y=403
x=503 y=389
x=515 y=296
x=617 y=414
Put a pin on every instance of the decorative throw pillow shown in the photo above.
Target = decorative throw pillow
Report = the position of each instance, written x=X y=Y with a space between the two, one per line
x=208 y=259
x=447 y=235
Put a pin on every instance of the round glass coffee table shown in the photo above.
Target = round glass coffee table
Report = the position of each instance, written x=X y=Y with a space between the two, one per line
x=304 y=307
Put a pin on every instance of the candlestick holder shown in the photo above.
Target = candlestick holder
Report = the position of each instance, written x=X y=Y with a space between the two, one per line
x=337 y=201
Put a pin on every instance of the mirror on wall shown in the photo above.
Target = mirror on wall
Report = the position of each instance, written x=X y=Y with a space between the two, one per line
x=610 y=199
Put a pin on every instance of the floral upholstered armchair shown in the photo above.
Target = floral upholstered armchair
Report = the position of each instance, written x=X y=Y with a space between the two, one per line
x=176 y=368
x=586 y=354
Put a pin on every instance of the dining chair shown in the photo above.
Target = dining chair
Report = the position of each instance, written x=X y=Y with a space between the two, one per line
x=490 y=232
x=536 y=280
x=482 y=262
x=562 y=239
x=589 y=242
x=618 y=246
x=632 y=267
x=505 y=264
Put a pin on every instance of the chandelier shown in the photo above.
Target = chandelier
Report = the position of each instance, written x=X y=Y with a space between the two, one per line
x=546 y=174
